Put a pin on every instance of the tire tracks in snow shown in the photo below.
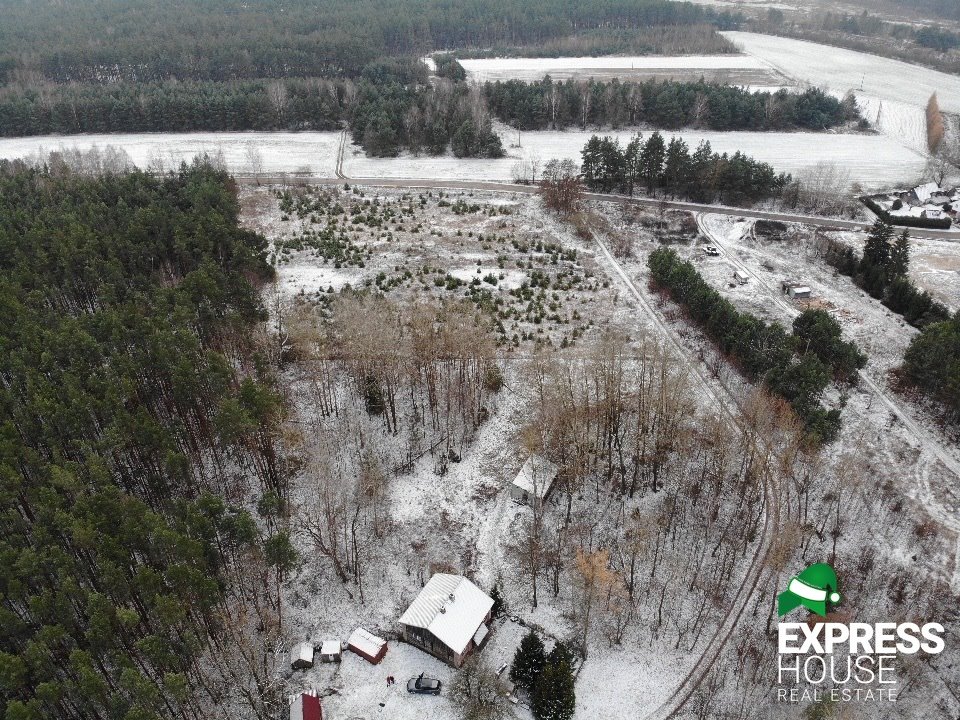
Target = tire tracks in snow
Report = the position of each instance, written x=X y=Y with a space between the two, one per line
x=729 y=407
x=931 y=448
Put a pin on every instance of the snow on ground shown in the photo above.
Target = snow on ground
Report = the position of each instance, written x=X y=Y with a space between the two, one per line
x=279 y=151
x=934 y=266
x=362 y=689
x=880 y=333
x=899 y=120
x=874 y=161
x=739 y=69
x=624 y=683
x=841 y=70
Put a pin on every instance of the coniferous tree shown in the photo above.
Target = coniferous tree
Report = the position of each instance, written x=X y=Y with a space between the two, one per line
x=554 y=695
x=528 y=661
x=651 y=161
x=899 y=264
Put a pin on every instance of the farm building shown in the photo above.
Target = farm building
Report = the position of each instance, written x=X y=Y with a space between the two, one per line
x=301 y=657
x=449 y=618
x=367 y=645
x=535 y=480
x=795 y=290
x=330 y=651
x=306 y=706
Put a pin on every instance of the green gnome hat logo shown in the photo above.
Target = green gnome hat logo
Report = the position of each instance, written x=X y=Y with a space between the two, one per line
x=812 y=589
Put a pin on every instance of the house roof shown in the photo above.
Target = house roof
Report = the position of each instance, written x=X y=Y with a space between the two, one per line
x=330 y=647
x=480 y=635
x=923 y=192
x=452 y=621
x=536 y=471
x=305 y=706
x=366 y=642
x=302 y=651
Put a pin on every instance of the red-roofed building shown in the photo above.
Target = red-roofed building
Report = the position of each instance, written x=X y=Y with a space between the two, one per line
x=306 y=706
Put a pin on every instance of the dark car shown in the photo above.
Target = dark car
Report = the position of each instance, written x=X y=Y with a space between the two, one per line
x=423 y=685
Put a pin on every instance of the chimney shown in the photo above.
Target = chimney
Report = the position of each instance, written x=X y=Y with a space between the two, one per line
x=451 y=597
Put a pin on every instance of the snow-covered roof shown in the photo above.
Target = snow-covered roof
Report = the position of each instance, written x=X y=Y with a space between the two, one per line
x=330 y=647
x=799 y=289
x=305 y=706
x=923 y=192
x=451 y=607
x=480 y=634
x=536 y=471
x=366 y=641
x=302 y=651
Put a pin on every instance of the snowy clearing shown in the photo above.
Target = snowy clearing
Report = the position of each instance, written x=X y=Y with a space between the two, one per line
x=842 y=70
x=874 y=161
x=735 y=69
x=315 y=152
x=898 y=120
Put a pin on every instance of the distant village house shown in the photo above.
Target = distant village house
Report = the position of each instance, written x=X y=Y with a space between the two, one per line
x=449 y=619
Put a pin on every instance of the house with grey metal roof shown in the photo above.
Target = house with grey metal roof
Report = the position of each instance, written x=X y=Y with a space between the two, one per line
x=449 y=619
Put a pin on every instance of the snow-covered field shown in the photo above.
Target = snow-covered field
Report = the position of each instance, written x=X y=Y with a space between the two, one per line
x=842 y=70
x=290 y=152
x=875 y=161
x=738 y=69
x=898 y=120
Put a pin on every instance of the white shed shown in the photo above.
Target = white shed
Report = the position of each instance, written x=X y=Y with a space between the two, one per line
x=740 y=277
x=331 y=651
x=800 y=292
x=535 y=480
x=301 y=656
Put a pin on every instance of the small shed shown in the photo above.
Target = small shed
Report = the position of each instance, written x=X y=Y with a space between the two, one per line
x=301 y=657
x=796 y=291
x=740 y=277
x=331 y=651
x=535 y=480
x=306 y=706
x=367 y=645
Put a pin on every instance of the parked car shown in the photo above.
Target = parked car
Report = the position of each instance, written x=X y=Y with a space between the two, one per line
x=424 y=685
x=711 y=250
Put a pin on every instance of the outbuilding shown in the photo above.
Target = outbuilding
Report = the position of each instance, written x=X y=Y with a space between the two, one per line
x=331 y=651
x=306 y=706
x=740 y=277
x=301 y=657
x=367 y=645
x=535 y=480
x=449 y=619
x=796 y=291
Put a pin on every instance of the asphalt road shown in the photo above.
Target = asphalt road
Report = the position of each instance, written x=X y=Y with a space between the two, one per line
x=432 y=184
